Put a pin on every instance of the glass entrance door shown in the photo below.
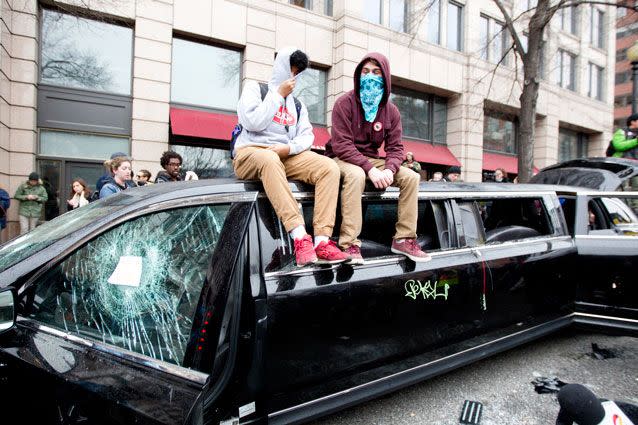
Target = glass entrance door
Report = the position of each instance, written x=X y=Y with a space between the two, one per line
x=57 y=176
x=90 y=172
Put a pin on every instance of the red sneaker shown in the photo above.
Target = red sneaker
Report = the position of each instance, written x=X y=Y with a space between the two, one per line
x=305 y=251
x=355 y=255
x=328 y=253
x=410 y=249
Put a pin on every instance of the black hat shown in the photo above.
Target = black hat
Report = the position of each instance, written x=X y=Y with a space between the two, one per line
x=118 y=154
x=34 y=176
x=632 y=117
x=455 y=169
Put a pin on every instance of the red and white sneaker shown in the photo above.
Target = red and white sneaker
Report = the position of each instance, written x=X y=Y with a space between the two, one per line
x=305 y=251
x=355 y=255
x=329 y=253
x=411 y=249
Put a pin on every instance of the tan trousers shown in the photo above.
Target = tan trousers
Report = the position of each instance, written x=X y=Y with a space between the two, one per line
x=354 y=181
x=253 y=163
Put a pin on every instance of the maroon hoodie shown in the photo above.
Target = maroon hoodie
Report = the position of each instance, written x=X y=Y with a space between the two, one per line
x=354 y=139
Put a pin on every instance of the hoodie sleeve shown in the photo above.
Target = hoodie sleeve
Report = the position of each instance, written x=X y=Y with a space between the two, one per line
x=255 y=115
x=305 y=137
x=393 y=145
x=342 y=138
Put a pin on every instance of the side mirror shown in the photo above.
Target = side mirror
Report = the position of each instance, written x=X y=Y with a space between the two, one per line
x=7 y=309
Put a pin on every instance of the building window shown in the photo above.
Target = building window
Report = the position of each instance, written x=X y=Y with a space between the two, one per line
x=571 y=145
x=493 y=40
x=85 y=54
x=595 y=75
x=311 y=89
x=454 y=26
x=205 y=75
x=307 y=4
x=565 y=70
x=397 y=15
x=372 y=11
x=67 y=144
x=499 y=132
x=433 y=21
x=597 y=27
x=206 y=162
x=423 y=116
x=568 y=18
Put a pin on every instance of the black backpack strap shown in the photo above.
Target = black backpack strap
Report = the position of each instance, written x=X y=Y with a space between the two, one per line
x=298 y=108
x=263 y=88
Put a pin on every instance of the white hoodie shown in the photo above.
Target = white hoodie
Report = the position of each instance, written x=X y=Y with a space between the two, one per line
x=265 y=122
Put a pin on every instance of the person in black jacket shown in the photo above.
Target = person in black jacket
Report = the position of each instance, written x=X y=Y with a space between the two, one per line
x=171 y=163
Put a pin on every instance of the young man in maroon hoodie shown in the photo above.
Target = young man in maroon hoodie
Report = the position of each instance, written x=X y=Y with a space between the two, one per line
x=363 y=120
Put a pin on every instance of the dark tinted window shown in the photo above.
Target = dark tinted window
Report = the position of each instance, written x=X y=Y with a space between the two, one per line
x=514 y=218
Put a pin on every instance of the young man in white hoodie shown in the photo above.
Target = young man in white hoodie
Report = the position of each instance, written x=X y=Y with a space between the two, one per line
x=274 y=145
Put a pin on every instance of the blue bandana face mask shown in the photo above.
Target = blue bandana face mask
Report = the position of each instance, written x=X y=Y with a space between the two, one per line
x=371 y=93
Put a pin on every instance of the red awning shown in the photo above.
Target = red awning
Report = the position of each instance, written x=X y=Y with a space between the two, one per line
x=219 y=126
x=428 y=153
x=205 y=125
x=492 y=161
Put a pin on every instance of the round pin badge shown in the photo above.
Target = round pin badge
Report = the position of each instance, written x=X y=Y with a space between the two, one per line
x=377 y=126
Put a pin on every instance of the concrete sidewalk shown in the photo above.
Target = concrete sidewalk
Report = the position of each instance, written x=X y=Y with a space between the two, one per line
x=503 y=384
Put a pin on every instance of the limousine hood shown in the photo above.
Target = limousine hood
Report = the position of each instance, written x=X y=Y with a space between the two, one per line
x=592 y=173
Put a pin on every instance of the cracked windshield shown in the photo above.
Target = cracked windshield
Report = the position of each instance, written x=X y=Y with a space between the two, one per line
x=136 y=286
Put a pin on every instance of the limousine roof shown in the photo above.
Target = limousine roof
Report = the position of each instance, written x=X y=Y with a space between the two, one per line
x=233 y=186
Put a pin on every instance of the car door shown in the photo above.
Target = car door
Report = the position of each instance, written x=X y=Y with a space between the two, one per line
x=606 y=236
x=333 y=328
x=130 y=324
x=520 y=241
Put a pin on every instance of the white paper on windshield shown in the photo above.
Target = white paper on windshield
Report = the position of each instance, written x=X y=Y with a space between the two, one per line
x=128 y=271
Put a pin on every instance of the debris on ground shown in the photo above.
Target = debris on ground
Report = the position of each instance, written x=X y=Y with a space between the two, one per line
x=543 y=385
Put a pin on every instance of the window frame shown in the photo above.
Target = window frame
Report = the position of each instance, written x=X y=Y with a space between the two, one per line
x=452 y=5
x=431 y=100
x=503 y=117
x=595 y=73
x=597 y=27
x=326 y=72
x=495 y=41
x=90 y=17
x=196 y=106
x=561 y=54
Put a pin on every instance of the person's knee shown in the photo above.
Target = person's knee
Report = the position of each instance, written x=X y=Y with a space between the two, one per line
x=354 y=176
x=410 y=180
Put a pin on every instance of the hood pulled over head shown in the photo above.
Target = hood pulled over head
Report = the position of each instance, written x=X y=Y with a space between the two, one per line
x=385 y=69
x=281 y=68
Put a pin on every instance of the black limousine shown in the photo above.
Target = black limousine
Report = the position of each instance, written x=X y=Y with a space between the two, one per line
x=181 y=303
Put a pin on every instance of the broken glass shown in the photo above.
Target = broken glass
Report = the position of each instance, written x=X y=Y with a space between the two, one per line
x=136 y=286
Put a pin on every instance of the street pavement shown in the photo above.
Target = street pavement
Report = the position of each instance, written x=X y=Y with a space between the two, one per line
x=503 y=384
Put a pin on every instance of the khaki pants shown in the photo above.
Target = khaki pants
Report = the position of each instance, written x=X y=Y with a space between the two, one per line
x=253 y=162
x=27 y=223
x=354 y=181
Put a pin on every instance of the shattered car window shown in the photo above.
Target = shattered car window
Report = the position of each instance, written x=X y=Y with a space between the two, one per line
x=137 y=285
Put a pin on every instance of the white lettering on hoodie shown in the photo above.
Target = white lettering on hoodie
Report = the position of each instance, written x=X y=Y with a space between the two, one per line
x=264 y=122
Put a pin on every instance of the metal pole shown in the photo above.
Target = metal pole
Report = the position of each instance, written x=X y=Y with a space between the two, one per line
x=634 y=94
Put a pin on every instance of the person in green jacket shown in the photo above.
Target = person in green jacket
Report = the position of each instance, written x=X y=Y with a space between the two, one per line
x=625 y=140
x=32 y=196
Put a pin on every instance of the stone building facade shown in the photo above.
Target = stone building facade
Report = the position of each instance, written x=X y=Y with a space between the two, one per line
x=81 y=79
